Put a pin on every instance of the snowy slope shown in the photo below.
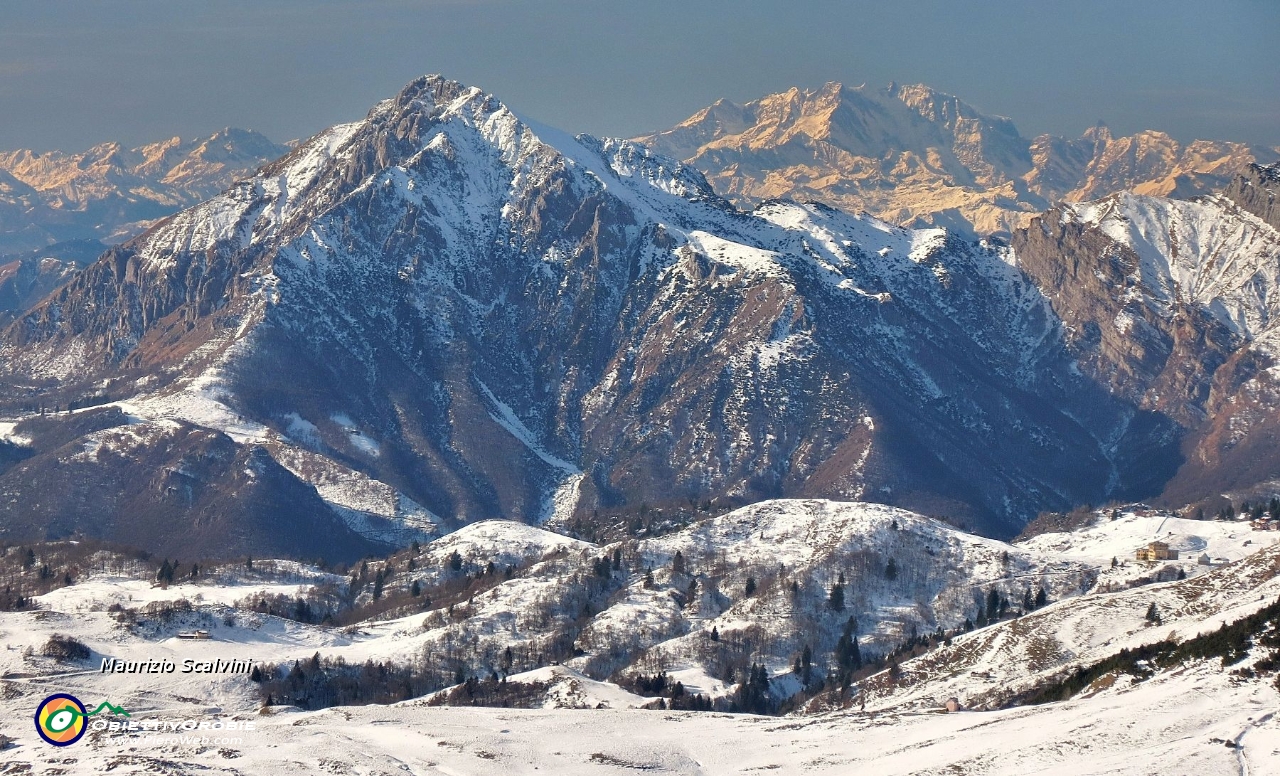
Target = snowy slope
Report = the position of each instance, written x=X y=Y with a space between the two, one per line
x=1119 y=539
x=990 y=666
x=943 y=576
x=1172 y=724
x=590 y=725
x=1208 y=252
x=1130 y=732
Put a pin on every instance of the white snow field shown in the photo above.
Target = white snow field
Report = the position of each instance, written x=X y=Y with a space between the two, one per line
x=1166 y=725
x=1179 y=721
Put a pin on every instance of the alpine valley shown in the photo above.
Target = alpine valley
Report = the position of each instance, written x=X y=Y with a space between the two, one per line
x=446 y=407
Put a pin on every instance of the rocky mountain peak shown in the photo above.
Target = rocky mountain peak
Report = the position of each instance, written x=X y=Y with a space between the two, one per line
x=1099 y=134
x=444 y=312
x=915 y=156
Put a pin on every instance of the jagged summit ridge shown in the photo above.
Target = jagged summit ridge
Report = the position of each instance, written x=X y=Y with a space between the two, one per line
x=916 y=156
x=444 y=312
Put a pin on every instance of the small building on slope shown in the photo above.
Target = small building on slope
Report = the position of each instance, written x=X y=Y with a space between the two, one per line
x=1157 y=551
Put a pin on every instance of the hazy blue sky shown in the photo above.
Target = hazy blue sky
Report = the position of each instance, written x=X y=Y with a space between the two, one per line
x=77 y=72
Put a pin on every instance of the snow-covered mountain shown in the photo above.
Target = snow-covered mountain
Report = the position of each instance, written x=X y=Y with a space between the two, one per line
x=1172 y=304
x=914 y=156
x=110 y=192
x=444 y=313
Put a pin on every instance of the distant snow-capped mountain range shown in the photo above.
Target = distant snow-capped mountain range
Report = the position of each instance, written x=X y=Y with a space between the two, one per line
x=445 y=312
x=918 y=157
x=110 y=192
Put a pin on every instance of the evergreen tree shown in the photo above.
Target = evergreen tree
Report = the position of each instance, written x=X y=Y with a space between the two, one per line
x=601 y=567
x=993 y=605
x=248 y=563
x=752 y=694
x=836 y=598
x=715 y=633
x=1153 y=614
x=1274 y=508
x=1042 y=598
x=806 y=665
x=377 y=586
x=617 y=559
x=895 y=671
x=455 y=561
x=750 y=587
x=1027 y=603
x=1114 y=561
x=677 y=563
x=415 y=589
x=848 y=657
x=891 y=570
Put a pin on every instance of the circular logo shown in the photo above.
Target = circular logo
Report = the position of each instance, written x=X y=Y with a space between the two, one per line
x=60 y=719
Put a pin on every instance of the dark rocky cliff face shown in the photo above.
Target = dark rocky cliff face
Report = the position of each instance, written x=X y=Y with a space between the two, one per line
x=1163 y=358
x=475 y=317
x=1256 y=190
x=176 y=489
x=1171 y=305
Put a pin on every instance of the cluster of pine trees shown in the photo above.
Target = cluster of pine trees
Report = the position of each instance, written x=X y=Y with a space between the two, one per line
x=493 y=692
x=1230 y=644
x=671 y=695
x=752 y=695
x=319 y=683
x=170 y=571
x=1254 y=511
